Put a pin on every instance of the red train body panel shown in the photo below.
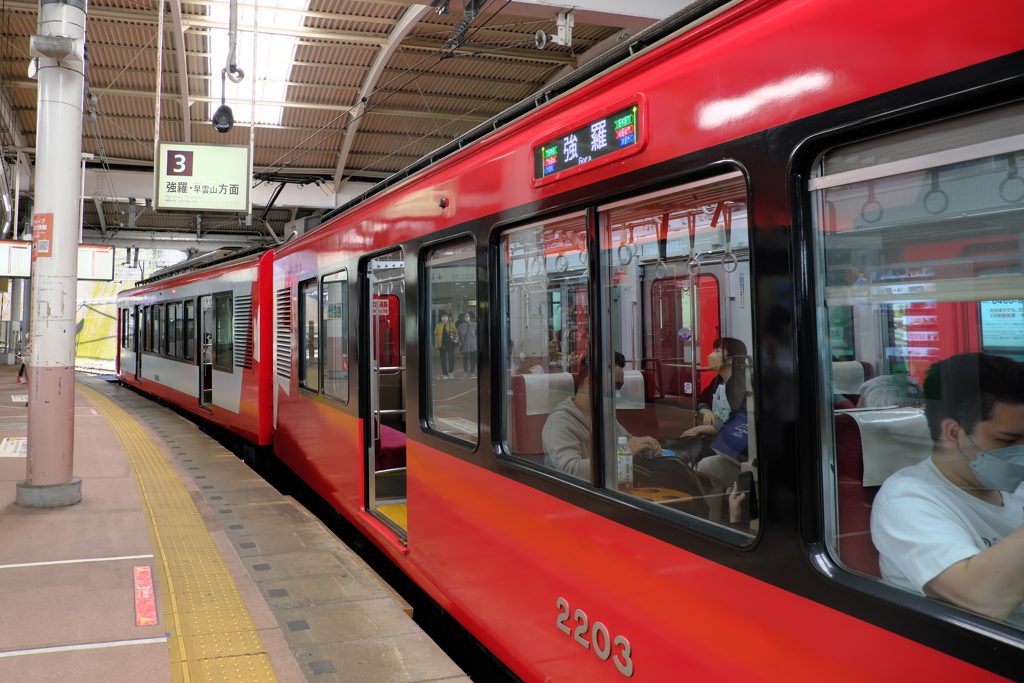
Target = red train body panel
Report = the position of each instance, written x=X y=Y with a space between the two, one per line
x=507 y=557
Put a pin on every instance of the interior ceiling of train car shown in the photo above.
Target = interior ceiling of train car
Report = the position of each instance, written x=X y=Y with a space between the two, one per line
x=334 y=94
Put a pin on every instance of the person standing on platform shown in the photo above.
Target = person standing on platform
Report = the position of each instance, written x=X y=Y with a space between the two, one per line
x=446 y=340
x=467 y=335
x=24 y=357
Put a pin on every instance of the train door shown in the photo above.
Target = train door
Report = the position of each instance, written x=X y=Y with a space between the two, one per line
x=206 y=359
x=685 y=320
x=138 y=342
x=383 y=392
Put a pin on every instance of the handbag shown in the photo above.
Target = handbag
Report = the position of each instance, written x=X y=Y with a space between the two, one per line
x=732 y=440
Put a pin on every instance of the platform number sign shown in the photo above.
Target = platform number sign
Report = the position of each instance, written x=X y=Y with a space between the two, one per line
x=179 y=162
x=202 y=177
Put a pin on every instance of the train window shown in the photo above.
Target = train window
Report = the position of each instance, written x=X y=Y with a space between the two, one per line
x=224 y=347
x=189 y=350
x=334 y=294
x=173 y=342
x=179 y=309
x=128 y=328
x=679 y=412
x=309 y=337
x=919 y=273
x=452 y=405
x=545 y=314
x=159 y=329
x=147 y=332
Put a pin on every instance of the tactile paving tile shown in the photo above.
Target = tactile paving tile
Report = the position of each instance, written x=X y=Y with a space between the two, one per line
x=211 y=635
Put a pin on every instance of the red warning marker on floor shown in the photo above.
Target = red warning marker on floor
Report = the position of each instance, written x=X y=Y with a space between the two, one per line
x=145 y=600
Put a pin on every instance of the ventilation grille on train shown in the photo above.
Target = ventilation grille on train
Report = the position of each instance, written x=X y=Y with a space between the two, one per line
x=243 y=332
x=283 y=351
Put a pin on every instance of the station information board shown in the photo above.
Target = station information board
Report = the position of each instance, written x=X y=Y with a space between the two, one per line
x=203 y=177
x=94 y=262
x=588 y=143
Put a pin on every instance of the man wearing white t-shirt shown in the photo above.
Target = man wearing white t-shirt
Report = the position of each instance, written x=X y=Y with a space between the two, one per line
x=952 y=527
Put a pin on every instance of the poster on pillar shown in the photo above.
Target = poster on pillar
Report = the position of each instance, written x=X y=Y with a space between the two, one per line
x=203 y=177
x=42 y=234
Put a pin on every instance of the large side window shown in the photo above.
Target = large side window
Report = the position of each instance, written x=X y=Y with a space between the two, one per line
x=147 y=332
x=545 y=316
x=334 y=293
x=309 y=339
x=224 y=346
x=452 y=392
x=677 y=398
x=919 y=280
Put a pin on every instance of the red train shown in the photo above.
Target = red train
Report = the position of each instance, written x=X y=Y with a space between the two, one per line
x=829 y=187
x=200 y=338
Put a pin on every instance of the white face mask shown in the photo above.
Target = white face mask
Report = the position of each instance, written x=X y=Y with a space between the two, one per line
x=1000 y=468
x=444 y=318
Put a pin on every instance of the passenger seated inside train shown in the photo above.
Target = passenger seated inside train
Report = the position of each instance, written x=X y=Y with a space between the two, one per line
x=722 y=403
x=952 y=526
x=567 y=434
x=889 y=390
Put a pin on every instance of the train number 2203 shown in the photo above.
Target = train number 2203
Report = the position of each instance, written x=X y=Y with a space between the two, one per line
x=600 y=639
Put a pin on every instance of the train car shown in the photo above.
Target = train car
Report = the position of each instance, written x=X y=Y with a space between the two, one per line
x=706 y=243
x=198 y=336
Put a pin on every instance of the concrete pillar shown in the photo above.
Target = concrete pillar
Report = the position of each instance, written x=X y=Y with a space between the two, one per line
x=59 y=48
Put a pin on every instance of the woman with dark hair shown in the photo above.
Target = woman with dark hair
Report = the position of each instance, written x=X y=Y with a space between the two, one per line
x=723 y=399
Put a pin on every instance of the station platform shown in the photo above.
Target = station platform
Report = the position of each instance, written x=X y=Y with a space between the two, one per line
x=247 y=586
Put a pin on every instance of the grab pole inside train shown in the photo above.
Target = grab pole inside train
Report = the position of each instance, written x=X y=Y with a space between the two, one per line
x=58 y=52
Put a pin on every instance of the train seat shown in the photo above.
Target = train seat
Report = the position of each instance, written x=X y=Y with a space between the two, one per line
x=848 y=375
x=634 y=408
x=534 y=396
x=391 y=449
x=871 y=445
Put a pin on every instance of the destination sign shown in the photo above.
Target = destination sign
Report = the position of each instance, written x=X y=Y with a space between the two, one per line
x=587 y=143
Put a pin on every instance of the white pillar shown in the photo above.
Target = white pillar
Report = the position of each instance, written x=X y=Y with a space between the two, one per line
x=59 y=48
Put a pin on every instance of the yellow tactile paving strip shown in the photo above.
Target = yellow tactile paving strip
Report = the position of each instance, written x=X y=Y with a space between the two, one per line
x=210 y=633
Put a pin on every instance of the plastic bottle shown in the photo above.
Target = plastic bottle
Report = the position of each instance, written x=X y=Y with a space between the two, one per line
x=624 y=466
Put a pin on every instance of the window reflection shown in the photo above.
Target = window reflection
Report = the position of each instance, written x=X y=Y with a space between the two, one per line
x=922 y=307
x=453 y=340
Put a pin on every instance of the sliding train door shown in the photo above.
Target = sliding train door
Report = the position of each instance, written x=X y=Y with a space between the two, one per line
x=382 y=391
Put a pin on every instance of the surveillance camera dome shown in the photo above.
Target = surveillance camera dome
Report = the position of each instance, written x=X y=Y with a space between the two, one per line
x=223 y=119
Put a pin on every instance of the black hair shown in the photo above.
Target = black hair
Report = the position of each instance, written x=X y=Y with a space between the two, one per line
x=966 y=387
x=736 y=386
x=584 y=373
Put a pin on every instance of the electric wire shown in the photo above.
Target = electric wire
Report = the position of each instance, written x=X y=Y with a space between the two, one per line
x=365 y=100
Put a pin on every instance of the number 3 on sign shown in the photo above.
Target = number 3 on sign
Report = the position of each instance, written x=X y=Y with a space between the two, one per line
x=603 y=643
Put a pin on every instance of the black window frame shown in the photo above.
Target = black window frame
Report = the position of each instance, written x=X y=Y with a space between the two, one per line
x=346 y=340
x=217 y=327
x=304 y=286
x=427 y=342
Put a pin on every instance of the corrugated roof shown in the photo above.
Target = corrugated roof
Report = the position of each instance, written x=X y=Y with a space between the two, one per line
x=427 y=93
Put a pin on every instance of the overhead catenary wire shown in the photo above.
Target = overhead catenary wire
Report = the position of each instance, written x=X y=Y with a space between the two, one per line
x=365 y=100
x=626 y=50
